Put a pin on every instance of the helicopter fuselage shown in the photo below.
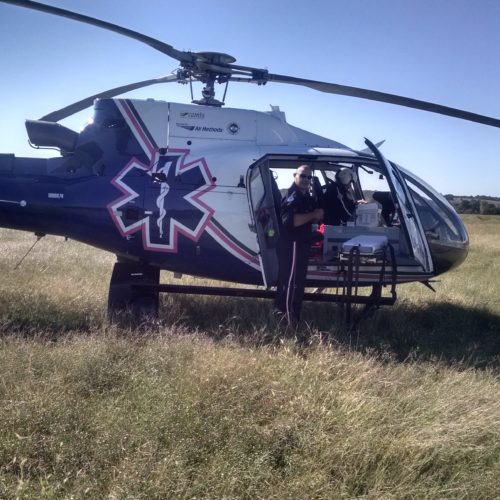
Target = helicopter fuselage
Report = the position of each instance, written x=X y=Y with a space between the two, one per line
x=192 y=189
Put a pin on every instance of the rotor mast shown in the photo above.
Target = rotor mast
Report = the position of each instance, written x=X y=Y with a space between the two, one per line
x=209 y=68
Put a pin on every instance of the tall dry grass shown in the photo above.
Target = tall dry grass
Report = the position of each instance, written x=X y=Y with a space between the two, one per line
x=215 y=402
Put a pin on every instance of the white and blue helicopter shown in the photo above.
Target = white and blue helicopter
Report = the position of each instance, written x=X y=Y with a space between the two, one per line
x=194 y=189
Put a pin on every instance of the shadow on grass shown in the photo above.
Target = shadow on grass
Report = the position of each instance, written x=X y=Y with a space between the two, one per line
x=445 y=331
x=46 y=318
x=406 y=332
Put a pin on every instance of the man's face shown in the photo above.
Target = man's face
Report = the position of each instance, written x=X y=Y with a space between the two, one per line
x=302 y=177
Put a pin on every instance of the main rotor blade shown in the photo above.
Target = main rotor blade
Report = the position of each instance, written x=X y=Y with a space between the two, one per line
x=62 y=113
x=373 y=95
x=165 y=48
x=202 y=66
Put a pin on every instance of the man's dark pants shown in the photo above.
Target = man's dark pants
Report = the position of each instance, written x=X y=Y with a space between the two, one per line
x=293 y=257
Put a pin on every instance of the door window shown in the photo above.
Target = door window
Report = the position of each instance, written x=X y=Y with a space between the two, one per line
x=264 y=219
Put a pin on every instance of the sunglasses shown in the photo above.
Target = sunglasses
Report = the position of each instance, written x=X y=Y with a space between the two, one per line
x=304 y=176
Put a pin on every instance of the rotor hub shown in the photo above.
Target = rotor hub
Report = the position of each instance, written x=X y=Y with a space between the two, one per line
x=215 y=57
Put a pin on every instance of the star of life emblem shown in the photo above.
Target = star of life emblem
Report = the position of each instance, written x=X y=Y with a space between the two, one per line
x=172 y=198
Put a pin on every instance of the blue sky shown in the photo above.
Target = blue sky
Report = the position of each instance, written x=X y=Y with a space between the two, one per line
x=443 y=51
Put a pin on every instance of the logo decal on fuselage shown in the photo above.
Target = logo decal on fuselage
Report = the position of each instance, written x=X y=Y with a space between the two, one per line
x=196 y=128
x=198 y=115
x=233 y=128
x=171 y=199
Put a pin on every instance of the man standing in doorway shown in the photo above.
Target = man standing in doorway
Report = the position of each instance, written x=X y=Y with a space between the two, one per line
x=299 y=210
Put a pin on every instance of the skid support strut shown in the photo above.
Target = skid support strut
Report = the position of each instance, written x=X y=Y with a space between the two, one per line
x=350 y=269
x=125 y=297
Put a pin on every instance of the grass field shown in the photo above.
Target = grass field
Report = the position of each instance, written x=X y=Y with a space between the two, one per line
x=210 y=402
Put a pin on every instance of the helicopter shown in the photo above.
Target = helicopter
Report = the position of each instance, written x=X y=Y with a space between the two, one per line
x=194 y=189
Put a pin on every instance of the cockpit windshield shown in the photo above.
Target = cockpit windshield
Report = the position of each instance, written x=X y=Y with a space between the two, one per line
x=439 y=219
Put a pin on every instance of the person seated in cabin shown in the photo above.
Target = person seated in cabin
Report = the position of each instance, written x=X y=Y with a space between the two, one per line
x=388 y=206
x=339 y=201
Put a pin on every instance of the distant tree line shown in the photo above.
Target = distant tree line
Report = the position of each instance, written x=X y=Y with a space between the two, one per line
x=475 y=204
x=451 y=197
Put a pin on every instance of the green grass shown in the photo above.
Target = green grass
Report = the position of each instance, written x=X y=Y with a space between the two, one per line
x=214 y=402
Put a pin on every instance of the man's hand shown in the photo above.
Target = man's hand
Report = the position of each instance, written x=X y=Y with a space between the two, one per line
x=315 y=216
x=318 y=215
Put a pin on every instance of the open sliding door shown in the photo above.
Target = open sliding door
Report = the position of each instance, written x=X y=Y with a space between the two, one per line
x=406 y=209
x=260 y=188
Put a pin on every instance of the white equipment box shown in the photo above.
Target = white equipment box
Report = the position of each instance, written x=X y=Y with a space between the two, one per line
x=367 y=215
x=369 y=245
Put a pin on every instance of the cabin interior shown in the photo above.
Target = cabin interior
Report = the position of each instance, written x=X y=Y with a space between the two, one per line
x=367 y=227
x=422 y=229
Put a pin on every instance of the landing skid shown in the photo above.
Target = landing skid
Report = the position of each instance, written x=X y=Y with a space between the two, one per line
x=134 y=292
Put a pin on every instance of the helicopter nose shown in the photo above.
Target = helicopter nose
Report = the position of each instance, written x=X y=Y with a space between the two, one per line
x=446 y=253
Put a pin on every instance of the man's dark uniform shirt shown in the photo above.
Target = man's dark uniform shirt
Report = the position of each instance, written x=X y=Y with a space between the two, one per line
x=297 y=202
x=293 y=252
